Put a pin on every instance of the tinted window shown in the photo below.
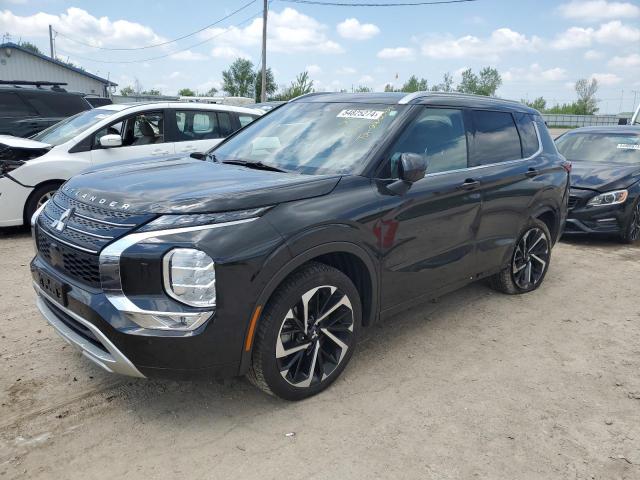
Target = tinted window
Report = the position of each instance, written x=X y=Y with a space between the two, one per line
x=496 y=138
x=528 y=134
x=56 y=104
x=245 y=119
x=11 y=105
x=197 y=125
x=439 y=134
x=226 y=128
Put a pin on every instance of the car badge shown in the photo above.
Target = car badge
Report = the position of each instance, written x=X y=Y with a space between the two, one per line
x=60 y=224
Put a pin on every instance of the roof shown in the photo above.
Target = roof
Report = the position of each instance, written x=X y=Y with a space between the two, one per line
x=421 y=98
x=57 y=62
x=186 y=105
x=622 y=129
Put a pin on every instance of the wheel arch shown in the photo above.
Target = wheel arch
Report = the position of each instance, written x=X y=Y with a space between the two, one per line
x=57 y=182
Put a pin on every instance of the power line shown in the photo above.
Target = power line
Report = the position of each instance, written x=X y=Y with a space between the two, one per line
x=162 y=43
x=255 y=15
x=400 y=4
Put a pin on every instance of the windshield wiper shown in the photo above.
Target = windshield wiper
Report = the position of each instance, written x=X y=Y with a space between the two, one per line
x=256 y=165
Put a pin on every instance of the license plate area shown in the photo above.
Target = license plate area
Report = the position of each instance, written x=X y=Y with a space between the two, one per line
x=52 y=287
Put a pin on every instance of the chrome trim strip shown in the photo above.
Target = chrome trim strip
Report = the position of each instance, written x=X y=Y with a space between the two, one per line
x=95 y=235
x=112 y=360
x=72 y=245
x=34 y=219
x=412 y=96
x=110 y=267
x=111 y=224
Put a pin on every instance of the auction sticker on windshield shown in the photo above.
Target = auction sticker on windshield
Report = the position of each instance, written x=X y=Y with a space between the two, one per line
x=355 y=113
x=628 y=146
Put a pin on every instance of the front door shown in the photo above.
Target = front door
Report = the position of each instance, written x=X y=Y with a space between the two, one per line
x=143 y=136
x=427 y=235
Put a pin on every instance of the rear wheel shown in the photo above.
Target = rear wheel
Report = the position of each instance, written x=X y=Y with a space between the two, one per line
x=39 y=197
x=529 y=262
x=632 y=230
x=307 y=333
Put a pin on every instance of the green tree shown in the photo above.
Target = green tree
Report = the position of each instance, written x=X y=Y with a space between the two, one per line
x=446 y=85
x=487 y=83
x=587 y=103
x=31 y=47
x=210 y=93
x=152 y=92
x=414 y=85
x=300 y=86
x=539 y=104
x=271 y=84
x=239 y=79
x=363 y=89
x=127 y=91
x=186 y=92
x=389 y=88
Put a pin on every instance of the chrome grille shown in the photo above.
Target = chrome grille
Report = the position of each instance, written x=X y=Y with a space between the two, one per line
x=75 y=250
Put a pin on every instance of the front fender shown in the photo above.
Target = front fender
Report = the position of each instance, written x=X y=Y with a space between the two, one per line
x=44 y=169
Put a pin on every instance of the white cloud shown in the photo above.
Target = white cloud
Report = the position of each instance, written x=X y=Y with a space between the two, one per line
x=228 y=52
x=611 y=33
x=534 y=73
x=313 y=69
x=500 y=41
x=188 y=56
x=607 y=79
x=289 y=32
x=80 y=24
x=630 y=61
x=593 y=55
x=346 y=71
x=366 y=79
x=595 y=10
x=397 y=53
x=352 y=29
x=175 y=75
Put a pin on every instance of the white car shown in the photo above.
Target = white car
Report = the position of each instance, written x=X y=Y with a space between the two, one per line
x=31 y=170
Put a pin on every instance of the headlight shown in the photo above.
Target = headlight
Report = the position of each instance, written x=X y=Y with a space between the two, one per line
x=189 y=276
x=7 y=166
x=609 y=198
x=178 y=221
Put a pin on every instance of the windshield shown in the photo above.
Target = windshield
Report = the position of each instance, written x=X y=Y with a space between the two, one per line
x=312 y=138
x=68 y=128
x=599 y=147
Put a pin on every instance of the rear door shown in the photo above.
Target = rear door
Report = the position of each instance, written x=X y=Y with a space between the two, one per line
x=507 y=169
x=199 y=130
x=427 y=235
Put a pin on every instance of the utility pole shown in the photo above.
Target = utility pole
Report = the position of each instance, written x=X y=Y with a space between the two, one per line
x=263 y=92
x=51 y=41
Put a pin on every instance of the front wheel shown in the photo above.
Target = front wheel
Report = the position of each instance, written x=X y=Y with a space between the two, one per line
x=529 y=262
x=307 y=333
x=631 y=233
x=39 y=197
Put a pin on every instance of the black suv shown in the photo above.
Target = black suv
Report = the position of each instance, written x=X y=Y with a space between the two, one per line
x=267 y=256
x=27 y=108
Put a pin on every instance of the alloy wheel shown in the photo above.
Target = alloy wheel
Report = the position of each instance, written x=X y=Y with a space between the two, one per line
x=530 y=259
x=45 y=198
x=634 y=227
x=315 y=336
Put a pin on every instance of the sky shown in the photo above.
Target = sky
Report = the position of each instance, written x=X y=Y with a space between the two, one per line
x=540 y=47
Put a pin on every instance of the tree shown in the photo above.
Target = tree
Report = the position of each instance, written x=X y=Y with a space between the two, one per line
x=271 y=84
x=300 y=86
x=362 y=89
x=31 y=47
x=539 y=104
x=389 y=88
x=446 y=85
x=414 y=85
x=127 y=91
x=210 y=93
x=587 y=103
x=239 y=79
x=487 y=83
x=153 y=92
x=186 y=92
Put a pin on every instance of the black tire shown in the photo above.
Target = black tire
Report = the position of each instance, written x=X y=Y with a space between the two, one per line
x=631 y=232
x=323 y=357
x=510 y=280
x=37 y=197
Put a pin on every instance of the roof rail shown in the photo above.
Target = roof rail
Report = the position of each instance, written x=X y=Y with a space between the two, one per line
x=412 y=96
x=312 y=94
x=36 y=83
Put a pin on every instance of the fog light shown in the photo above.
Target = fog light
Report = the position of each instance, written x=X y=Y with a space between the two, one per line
x=189 y=277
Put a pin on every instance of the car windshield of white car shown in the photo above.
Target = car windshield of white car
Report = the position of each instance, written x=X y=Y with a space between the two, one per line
x=70 y=127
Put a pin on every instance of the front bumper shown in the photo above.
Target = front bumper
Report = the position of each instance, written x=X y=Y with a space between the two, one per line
x=593 y=220
x=13 y=198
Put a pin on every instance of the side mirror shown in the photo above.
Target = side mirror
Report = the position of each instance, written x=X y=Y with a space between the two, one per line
x=110 y=141
x=411 y=168
x=198 y=155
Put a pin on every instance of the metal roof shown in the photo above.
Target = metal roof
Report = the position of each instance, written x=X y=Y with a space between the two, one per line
x=58 y=62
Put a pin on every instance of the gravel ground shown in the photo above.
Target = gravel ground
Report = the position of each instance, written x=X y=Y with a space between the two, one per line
x=474 y=385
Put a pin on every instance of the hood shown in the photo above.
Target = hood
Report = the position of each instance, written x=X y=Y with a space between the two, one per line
x=186 y=185
x=16 y=148
x=602 y=177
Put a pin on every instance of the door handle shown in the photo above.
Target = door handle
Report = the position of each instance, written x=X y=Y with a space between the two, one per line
x=160 y=152
x=470 y=184
x=532 y=172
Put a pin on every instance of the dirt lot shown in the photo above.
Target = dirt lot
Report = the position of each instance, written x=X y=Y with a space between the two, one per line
x=475 y=385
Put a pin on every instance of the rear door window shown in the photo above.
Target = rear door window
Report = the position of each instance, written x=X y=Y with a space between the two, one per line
x=246 y=119
x=496 y=137
x=528 y=134
x=11 y=105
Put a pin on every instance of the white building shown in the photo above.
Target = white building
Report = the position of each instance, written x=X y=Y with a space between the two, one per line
x=20 y=64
